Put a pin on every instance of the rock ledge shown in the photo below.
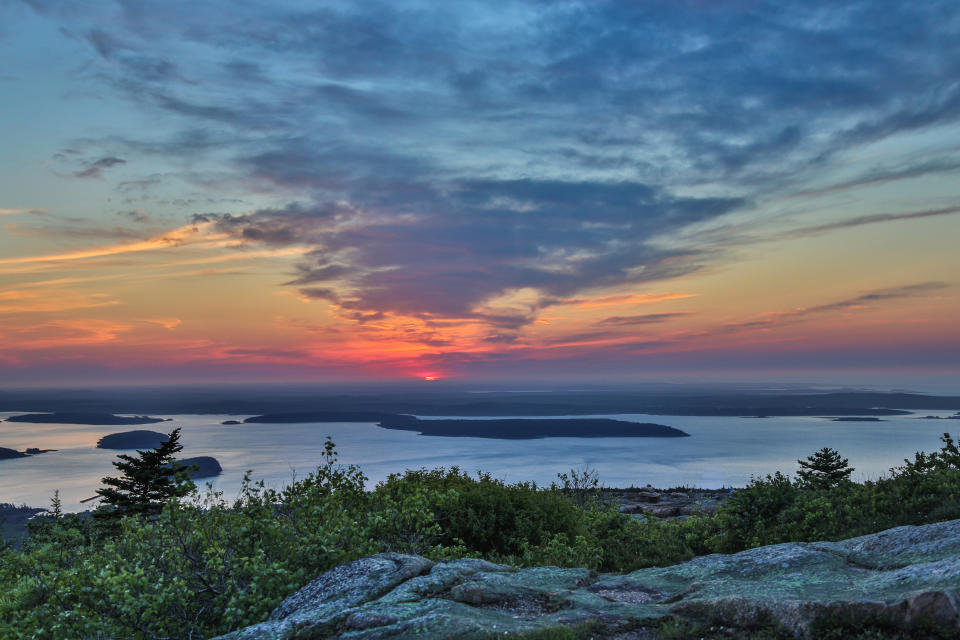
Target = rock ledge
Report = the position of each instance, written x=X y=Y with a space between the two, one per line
x=899 y=577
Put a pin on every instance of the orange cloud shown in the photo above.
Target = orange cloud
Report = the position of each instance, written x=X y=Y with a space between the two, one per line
x=167 y=323
x=192 y=234
x=31 y=301
x=623 y=299
x=63 y=333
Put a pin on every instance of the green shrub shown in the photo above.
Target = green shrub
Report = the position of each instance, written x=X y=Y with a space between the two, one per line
x=203 y=566
x=487 y=515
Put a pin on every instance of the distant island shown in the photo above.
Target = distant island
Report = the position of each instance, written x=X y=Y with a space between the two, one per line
x=318 y=416
x=140 y=439
x=855 y=419
x=529 y=428
x=79 y=417
x=10 y=454
x=204 y=466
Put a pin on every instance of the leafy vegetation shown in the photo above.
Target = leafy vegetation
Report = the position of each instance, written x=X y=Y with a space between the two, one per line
x=196 y=565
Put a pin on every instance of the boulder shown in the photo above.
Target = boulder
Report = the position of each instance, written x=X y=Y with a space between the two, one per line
x=898 y=578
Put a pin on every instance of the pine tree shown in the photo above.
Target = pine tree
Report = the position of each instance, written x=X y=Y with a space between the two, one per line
x=149 y=481
x=825 y=469
x=56 y=506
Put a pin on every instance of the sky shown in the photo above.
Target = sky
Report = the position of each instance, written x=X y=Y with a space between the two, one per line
x=599 y=190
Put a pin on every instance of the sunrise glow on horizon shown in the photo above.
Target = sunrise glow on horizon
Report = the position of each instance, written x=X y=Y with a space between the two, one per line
x=476 y=191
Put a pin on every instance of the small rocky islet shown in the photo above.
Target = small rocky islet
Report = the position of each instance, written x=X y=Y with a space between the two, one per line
x=12 y=454
x=898 y=579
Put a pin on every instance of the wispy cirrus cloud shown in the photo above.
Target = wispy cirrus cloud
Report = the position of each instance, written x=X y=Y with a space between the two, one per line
x=646 y=318
x=187 y=234
x=17 y=212
x=778 y=318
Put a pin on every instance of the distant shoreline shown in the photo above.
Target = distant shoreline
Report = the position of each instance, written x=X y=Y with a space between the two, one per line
x=116 y=405
x=81 y=417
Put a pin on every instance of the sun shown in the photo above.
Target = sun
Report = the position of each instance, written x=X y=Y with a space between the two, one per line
x=429 y=378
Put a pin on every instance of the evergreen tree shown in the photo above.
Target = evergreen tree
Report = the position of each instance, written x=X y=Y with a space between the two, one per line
x=825 y=469
x=149 y=481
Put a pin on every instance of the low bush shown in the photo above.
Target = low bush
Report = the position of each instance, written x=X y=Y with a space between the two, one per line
x=203 y=566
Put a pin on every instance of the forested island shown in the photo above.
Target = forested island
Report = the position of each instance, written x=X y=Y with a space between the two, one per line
x=502 y=428
x=528 y=428
x=139 y=439
x=317 y=416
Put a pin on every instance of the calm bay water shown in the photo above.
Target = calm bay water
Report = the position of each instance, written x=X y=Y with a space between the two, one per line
x=722 y=451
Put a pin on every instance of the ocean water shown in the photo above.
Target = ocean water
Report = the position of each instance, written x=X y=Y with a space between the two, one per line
x=723 y=451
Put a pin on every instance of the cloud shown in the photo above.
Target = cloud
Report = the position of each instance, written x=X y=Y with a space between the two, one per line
x=135 y=215
x=431 y=160
x=167 y=323
x=885 y=175
x=875 y=219
x=94 y=168
x=182 y=235
x=647 y=318
x=778 y=318
x=473 y=241
x=17 y=212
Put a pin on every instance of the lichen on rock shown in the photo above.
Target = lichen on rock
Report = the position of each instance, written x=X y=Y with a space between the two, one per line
x=900 y=577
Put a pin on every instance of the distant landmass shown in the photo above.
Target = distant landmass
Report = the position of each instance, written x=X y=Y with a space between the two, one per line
x=366 y=403
x=206 y=466
x=318 y=416
x=855 y=419
x=82 y=417
x=527 y=428
x=140 y=439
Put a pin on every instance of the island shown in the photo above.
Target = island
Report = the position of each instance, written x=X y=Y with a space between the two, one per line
x=203 y=467
x=321 y=416
x=140 y=439
x=855 y=419
x=231 y=422
x=529 y=428
x=81 y=417
x=10 y=454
